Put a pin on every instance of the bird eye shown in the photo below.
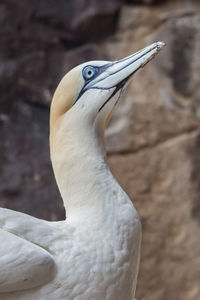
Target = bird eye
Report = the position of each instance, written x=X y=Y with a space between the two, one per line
x=89 y=72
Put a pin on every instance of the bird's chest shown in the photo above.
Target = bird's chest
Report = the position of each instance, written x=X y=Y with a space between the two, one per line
x=99 y=264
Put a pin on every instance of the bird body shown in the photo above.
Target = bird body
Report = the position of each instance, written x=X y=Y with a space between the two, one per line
x=94 y=253
x=91 y=259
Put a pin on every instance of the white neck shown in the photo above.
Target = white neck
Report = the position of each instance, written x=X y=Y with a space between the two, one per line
x=83 y=177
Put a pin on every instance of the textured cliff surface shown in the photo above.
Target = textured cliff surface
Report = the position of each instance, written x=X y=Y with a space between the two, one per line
x=153 y=143
x=153 y=140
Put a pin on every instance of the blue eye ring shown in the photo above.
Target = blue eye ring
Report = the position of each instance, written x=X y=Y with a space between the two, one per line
x=89 y=72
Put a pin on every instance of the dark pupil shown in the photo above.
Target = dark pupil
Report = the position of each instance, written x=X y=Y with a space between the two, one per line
x=89 y=72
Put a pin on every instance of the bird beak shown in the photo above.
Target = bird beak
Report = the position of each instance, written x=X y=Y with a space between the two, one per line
x=117 y=73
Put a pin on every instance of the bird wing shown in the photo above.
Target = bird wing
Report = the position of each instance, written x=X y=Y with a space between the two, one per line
x=24 y=263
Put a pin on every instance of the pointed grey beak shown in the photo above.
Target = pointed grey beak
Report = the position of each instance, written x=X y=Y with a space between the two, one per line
x=117 y=73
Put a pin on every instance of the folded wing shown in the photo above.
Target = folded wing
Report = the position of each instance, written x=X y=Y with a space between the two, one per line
x=23 y=263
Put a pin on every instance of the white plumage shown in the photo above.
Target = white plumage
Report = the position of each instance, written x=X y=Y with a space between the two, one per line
x=94 y=253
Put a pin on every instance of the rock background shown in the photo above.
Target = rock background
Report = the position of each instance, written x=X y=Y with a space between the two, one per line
x=153 y=140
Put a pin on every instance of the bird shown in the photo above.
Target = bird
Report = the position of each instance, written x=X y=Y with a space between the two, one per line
x=94 y=253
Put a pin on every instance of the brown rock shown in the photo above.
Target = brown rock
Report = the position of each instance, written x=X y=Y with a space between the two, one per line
x=36 y=38
x=158 y=181
x=146 y=2
x=50 y=23
x=27 y=183
x=34 y=76
x=153 y=145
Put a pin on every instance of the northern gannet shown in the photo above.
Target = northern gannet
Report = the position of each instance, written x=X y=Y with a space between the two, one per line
x=94 y=253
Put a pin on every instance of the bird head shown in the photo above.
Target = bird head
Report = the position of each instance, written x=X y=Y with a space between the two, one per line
x=88 y=93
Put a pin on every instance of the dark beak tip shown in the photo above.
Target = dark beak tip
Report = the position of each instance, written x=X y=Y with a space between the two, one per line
x=159 y=45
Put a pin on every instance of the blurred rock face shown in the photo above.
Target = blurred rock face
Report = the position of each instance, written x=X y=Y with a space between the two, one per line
x=153 y=143
x=153 y=140
x=41 y=33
